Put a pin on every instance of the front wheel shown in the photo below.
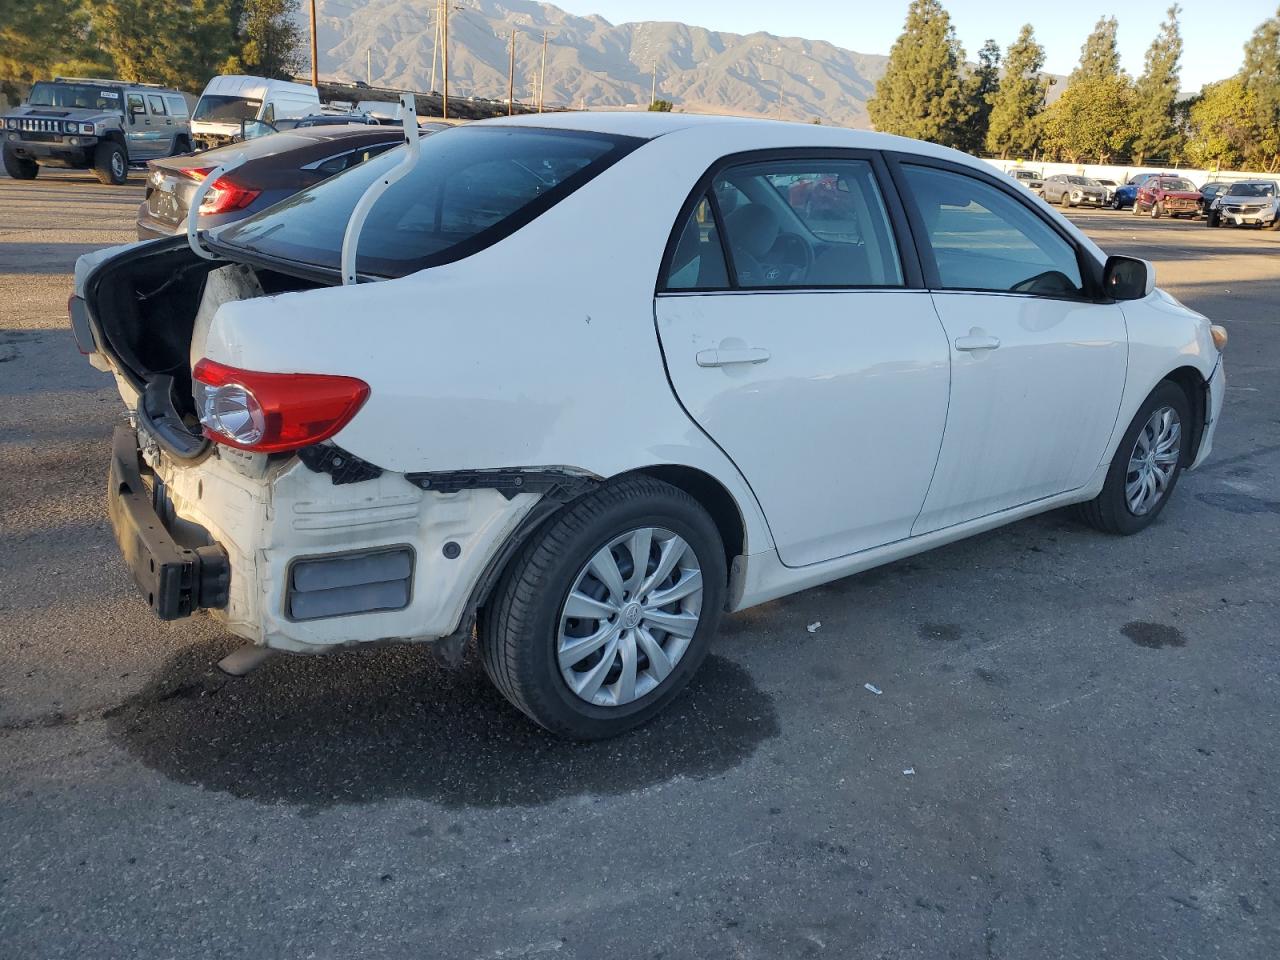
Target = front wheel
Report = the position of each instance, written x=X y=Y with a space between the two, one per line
x=1213 y=219
x=1157 y=210
x=20 y=168
x=1135 y=210
x=603 y=618
x=110 y=165
x=1146 y=465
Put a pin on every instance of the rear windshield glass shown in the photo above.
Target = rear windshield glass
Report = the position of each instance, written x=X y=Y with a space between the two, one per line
x=80 y=96
x=472 y=186
x=226 y=109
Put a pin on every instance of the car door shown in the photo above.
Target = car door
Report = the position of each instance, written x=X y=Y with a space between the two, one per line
x=138 y=128
x=805 y=347
x=1038 y=359
x=162 y=128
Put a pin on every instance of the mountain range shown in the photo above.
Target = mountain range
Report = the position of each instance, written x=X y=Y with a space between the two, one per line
x=592 y=62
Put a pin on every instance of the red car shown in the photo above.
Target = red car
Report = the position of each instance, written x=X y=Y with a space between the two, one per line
x=1163 y=195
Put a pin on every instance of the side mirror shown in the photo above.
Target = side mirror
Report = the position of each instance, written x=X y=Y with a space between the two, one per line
x=1128 y=278
x=253 y=129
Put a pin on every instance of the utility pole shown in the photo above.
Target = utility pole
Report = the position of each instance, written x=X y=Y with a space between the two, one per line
x=511 y=78
x=368 y=67
x=315 y=69
x=542 y=79
x=444 y=56
x=653 y=94
x=435 y=45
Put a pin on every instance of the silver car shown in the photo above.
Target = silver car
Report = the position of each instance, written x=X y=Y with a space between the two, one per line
x=1072 y=190
x=1249 y=202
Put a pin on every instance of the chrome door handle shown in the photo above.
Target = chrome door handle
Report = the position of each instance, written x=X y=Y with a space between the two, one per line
x=977 y=340
x=725 y=356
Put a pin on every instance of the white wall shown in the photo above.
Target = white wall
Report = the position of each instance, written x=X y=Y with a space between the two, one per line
x=1121 y=174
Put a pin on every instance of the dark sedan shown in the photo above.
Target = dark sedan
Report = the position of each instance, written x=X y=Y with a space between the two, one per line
x=275 y=167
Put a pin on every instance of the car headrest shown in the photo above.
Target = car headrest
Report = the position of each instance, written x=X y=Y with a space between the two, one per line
x=754 y=228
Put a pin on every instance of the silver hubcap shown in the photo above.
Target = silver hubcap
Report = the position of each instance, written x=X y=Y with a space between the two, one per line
x=117 y=164
x=629 y=617
x=1153 y=461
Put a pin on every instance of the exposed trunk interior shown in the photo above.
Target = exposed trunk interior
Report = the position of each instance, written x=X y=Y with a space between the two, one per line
x=145 y=305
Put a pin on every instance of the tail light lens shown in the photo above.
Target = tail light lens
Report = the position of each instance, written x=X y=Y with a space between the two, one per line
x=196 y=173
x=226 y=195
x=273 y=412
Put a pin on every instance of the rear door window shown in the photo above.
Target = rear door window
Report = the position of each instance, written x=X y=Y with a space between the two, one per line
x=984 y=239
x=157 y=106
x=177 y=106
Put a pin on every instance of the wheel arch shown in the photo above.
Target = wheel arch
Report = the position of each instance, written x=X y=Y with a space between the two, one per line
x=713 y=496
x=1193 y=384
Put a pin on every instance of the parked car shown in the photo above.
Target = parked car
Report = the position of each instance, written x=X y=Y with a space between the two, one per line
x=229 y=100
x=1125 y=194
x=1248 y=202
x=98 y=125
x=1167 y=196
x=326 y=120
x=1110 y=186
x=275 y=167
x=1071 y=190
x=1209 y=192
x=590 y=442
x=1030 y=179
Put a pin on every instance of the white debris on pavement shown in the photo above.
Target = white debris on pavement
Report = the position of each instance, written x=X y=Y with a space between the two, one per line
x=909 y=772
x=873 y=688
x=813 y=627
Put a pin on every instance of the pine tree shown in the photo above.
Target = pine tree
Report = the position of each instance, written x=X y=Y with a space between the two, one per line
x=921 y=94
x=1156 y=94
x=271 y=43
x=979 y=90
x=1099 y=57
x=1261 y=72
x=41 y=37
x=1014 y=124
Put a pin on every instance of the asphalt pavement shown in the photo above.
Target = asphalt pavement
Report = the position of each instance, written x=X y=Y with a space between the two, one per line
x=1074 y=753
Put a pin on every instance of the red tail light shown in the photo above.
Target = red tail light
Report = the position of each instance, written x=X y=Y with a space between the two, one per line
x=196 y=173
x=272 y=412
x=226 y=195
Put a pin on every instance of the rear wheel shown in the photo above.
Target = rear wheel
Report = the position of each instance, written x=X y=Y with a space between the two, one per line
x=1146 y=465
x=602 y=620
x=110 y=165
x=20 y=168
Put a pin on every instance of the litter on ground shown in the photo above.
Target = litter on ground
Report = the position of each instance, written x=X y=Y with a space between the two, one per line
x=873 y=688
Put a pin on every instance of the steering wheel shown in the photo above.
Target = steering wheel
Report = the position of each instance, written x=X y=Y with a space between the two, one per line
x=790 y=259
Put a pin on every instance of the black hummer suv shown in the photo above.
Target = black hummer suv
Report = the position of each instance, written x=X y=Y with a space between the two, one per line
x=103 y=125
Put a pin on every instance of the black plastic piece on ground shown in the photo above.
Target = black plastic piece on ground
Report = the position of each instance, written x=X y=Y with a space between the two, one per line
x=341 y=466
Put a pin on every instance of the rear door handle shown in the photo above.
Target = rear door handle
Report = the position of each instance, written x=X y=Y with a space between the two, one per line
x=977 y=340
x=726 y=356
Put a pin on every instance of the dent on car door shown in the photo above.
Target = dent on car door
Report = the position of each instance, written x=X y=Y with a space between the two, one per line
x=799 y=347
x=1038 y=366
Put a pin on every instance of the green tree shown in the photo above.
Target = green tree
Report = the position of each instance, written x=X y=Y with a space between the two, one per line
x=921 y=94
x=1099 y=57
x=1224 y=131
x=1090 y=120
x=180 y=43
x=39 y=38
x=1156 y=94
x=661 y=106
x=270 y=42
x=1261 y=71
x=979 y=90
x=1014 y=124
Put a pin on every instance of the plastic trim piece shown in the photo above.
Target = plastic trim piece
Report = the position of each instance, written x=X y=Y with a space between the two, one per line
x=564 y=486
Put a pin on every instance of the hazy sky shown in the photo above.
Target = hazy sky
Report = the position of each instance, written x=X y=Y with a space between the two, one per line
x=1213 y=33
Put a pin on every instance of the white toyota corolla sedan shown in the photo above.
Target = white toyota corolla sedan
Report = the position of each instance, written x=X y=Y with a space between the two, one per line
x=594 y=379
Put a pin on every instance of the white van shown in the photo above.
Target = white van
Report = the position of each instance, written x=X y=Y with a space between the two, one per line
x=228 y=100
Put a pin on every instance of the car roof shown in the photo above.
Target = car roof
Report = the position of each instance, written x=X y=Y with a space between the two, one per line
x=306 y=138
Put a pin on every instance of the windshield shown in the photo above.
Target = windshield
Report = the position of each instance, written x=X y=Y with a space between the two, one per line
x=1253 y=190
x=79 y=96
x=1184 y=185
x=226 y=109
x=472 y=186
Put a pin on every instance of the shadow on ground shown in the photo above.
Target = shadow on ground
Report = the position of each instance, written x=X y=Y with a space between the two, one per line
x=381 y=724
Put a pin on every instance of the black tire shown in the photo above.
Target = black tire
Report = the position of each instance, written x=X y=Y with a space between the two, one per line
x=1157 y=210
x=181 y=145
x=20 y=168
x=110 y=164
x=1274 y=224
x=1116 y=204
x=520 y=626
x=1137 y=212
x=1109 y=510
x=1065 y=200
x=1213 y=219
